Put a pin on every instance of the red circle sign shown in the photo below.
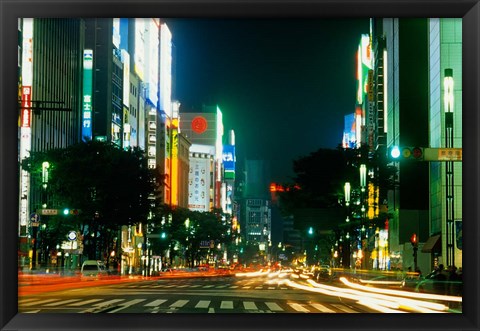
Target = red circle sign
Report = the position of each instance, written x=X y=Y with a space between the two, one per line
x=199 y=124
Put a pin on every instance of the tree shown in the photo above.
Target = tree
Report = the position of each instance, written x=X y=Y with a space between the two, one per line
x=110 y=187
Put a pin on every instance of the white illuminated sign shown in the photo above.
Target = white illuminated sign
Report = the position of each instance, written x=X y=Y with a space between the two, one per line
x=26 y=118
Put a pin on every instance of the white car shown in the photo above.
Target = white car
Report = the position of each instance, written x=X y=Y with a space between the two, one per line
x=93 y=269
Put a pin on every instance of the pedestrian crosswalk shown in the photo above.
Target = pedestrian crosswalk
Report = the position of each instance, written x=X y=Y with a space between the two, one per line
x=169 y=305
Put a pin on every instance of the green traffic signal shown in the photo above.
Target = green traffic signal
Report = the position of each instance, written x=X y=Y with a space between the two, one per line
x=66 y=211
x=397 y=153
x=163 y=235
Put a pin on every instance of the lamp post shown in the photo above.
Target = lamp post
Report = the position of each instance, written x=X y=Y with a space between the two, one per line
x=346 y=255
x=363 y=184
x=449 y=183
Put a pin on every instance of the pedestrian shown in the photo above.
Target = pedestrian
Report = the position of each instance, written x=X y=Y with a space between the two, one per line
x=454 y=282
x=440 y=279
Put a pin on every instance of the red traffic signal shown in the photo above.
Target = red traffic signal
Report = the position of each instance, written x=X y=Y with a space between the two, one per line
x=414 y=239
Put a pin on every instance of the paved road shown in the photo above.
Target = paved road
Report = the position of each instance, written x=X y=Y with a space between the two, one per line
x=196 y=295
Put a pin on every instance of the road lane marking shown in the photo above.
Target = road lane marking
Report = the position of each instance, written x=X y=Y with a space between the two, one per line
x=345 y=309
x=61 y=302
x=38 y=302
x=273 y=306
x=221 y=286
x=249 y=305
x=226 y=305
x=246 y=287
x=203 y=304
x=271 y=288
x=258 y=288
x=208 y=286
x=179 y=303
x=322 y=308
x=299 y=307
x=182 y=286
x=235 y=286
x=211 y=310
x=155 y=303
x=31 y=312
x=82 y=303
x=198 y=285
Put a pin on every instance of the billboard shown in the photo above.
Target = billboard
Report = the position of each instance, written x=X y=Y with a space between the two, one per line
x=26 y=120
x=199 y=184
x=87 y=95
x=229 y=161
x=349 y=137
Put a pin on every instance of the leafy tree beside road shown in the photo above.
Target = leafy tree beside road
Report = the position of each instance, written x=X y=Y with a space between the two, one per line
x=109 y=186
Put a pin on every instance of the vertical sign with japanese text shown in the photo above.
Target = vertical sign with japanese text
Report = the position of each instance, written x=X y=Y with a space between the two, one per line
x=87 y=95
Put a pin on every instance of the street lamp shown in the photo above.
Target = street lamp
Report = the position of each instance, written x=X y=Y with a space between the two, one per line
x=347 y=193
x=449 y=183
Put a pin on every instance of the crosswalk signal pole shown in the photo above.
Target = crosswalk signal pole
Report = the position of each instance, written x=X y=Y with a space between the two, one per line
x=449 y=182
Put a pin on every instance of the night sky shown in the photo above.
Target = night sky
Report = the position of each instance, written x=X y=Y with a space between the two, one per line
x=284 y=86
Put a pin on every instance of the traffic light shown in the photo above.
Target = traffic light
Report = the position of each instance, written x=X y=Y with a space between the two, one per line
x=396 y=153
x=68 y=211
x=163 y=235
x=414 y=240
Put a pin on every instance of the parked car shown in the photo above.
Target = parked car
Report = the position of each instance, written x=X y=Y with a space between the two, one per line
x=93 y=269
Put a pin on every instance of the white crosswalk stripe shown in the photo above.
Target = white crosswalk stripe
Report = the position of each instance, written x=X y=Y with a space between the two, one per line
x=126 y=305
x=82 y=303
x=322 y=308
x=298 y=307
x=345 y=309
x=249 y=305
x=155 y=303
x=37 y=302
x=106 y=303
x=26 y=300
x=226 y=305
x=179 y=303
x=60 y=303
x=203 y=304
x=273 y=306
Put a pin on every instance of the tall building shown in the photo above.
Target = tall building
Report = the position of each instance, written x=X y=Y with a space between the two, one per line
x=445 y=63
x=206 y=129
x=50 y=81
x=402 y=119
x=256 y=220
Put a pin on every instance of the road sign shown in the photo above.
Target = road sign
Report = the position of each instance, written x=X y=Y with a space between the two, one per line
x=443 y=154
x=72 y=235
x=34 y=219
x=47 y=211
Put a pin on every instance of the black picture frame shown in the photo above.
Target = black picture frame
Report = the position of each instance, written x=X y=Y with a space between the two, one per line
x=10 y=10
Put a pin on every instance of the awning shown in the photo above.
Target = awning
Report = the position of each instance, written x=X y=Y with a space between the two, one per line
x=433 y=244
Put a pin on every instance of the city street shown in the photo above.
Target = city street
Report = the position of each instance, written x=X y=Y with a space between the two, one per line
x=196 y=295
x=257 y=292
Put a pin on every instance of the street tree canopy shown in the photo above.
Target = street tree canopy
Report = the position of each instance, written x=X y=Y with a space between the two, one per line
x=110 y=186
